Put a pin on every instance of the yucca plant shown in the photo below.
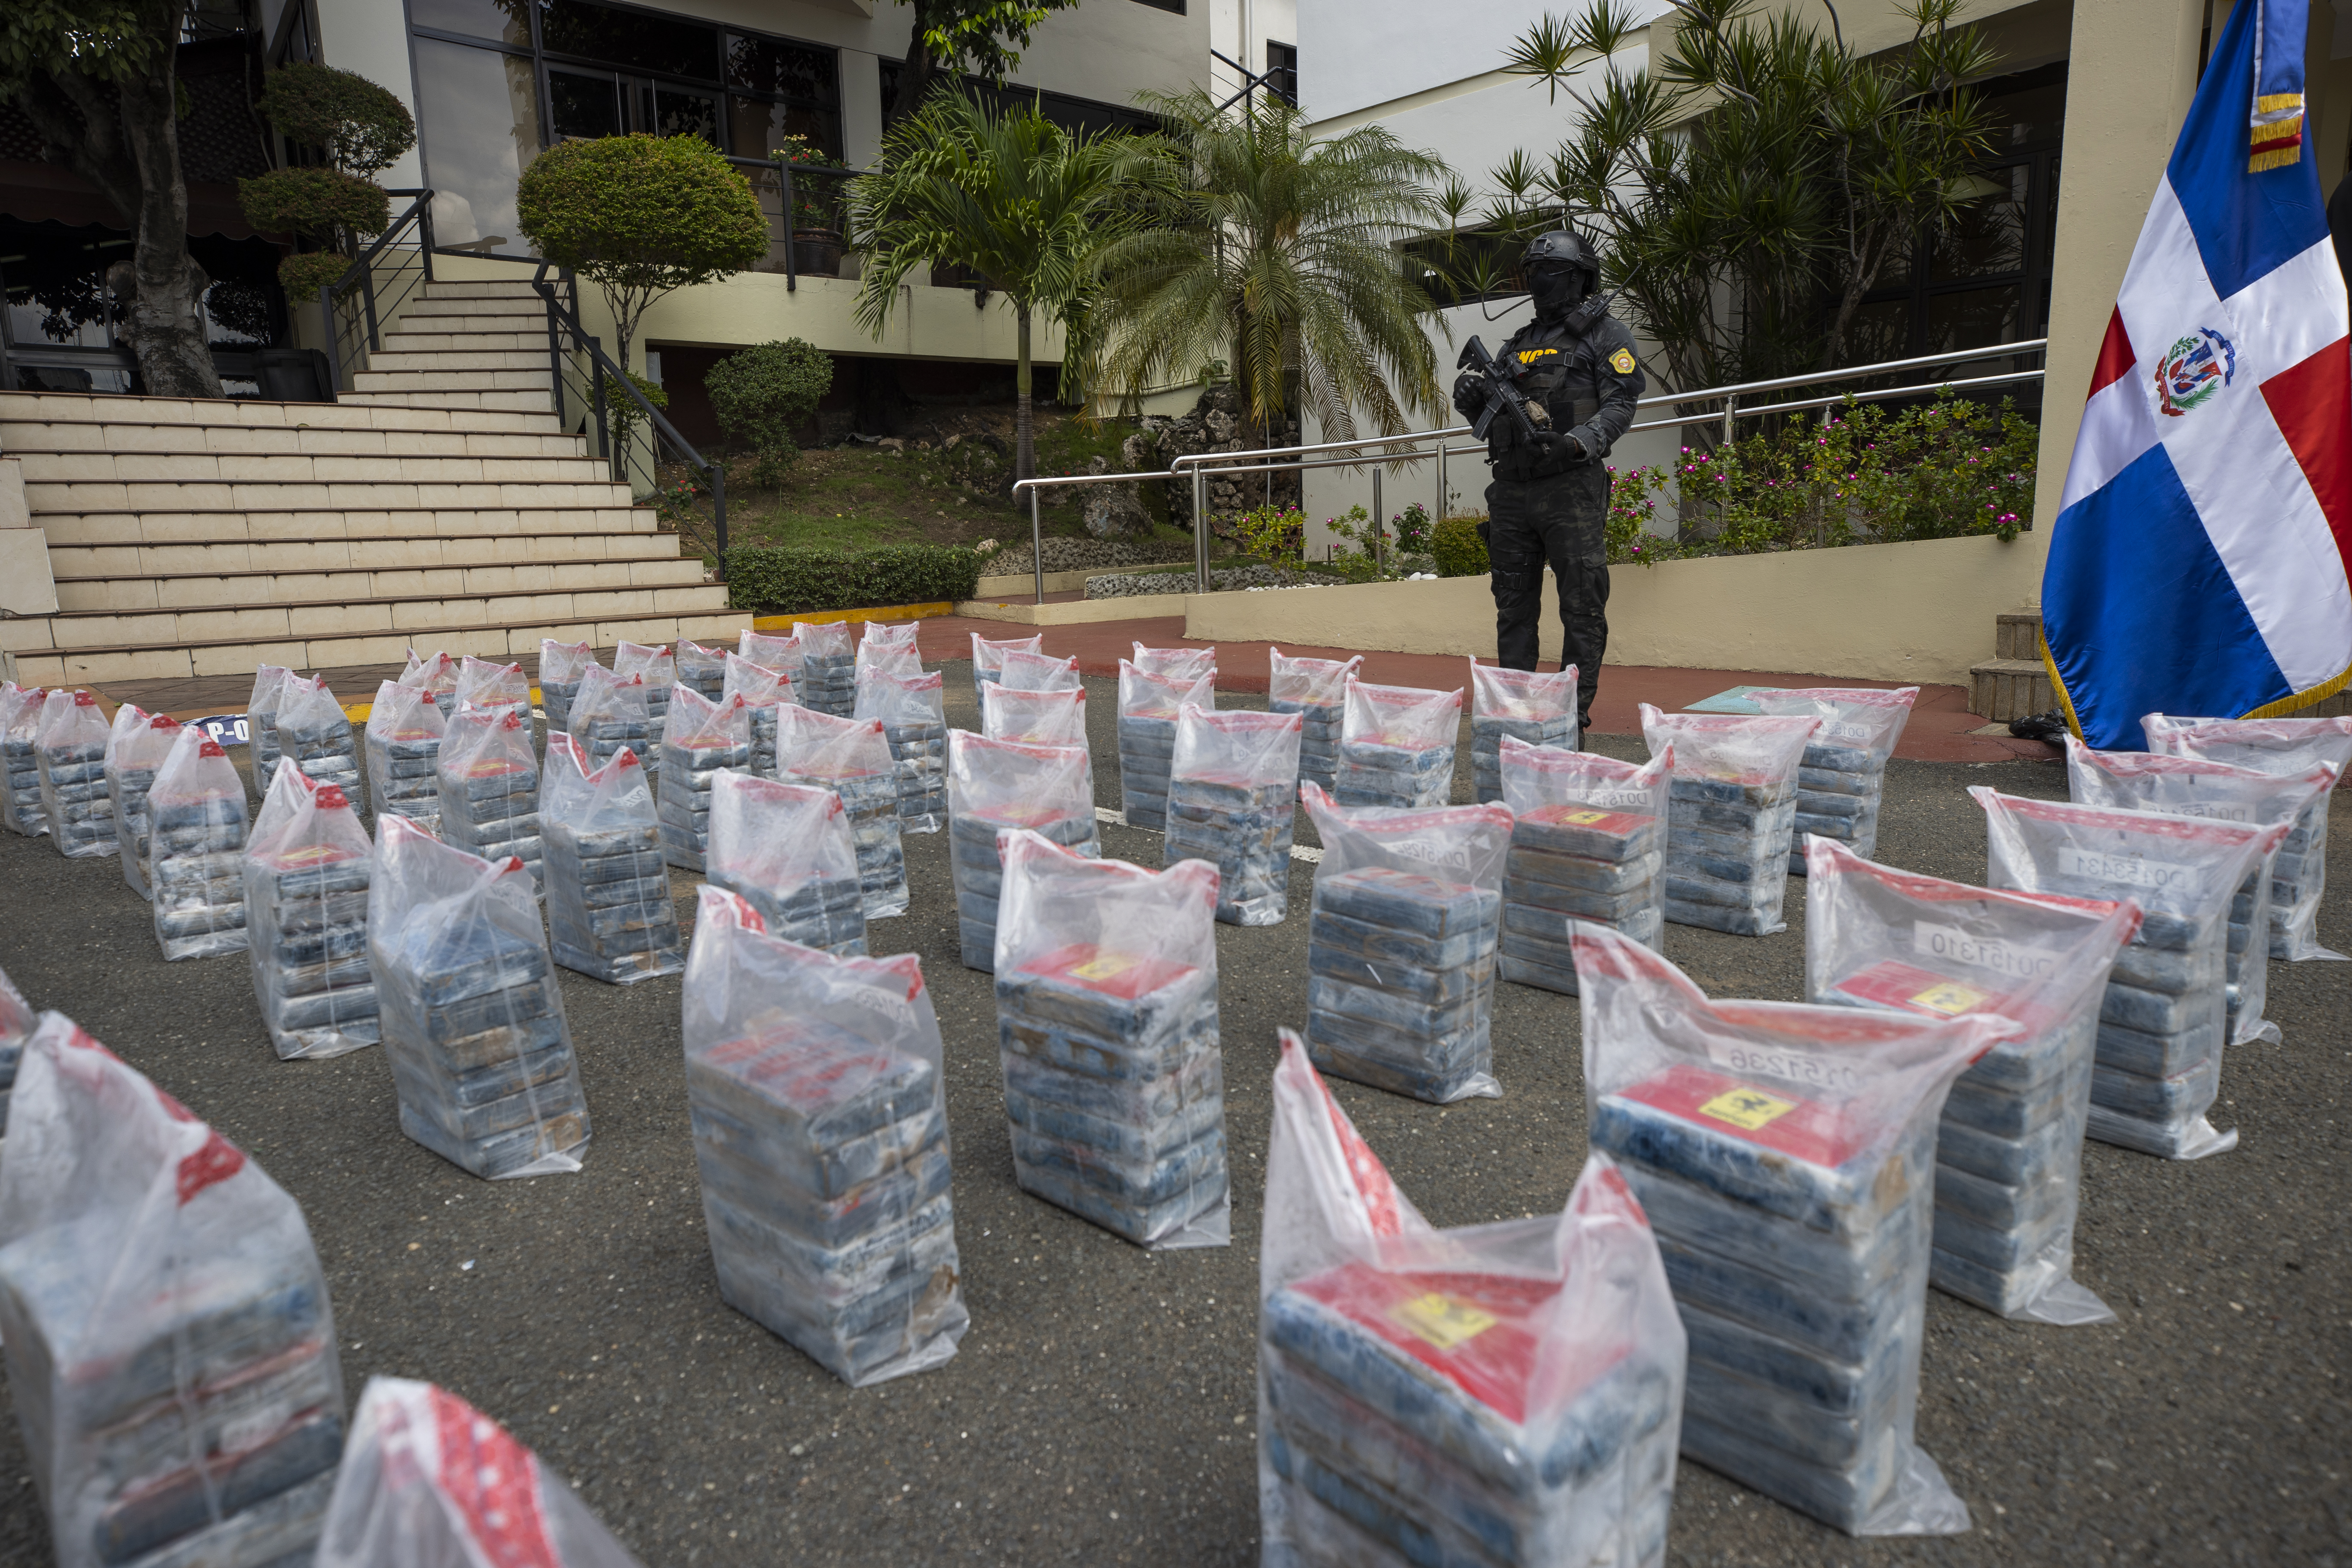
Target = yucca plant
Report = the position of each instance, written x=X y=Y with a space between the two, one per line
x=1010 y=195
x=1273 y=249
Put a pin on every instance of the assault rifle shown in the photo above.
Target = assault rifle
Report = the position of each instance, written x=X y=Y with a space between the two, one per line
x=1504 y=401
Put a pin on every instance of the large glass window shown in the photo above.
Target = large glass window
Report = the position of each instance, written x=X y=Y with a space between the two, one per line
x=497 y=80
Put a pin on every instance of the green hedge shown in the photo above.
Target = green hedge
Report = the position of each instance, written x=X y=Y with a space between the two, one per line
x=779 y=580
x=1458 y=550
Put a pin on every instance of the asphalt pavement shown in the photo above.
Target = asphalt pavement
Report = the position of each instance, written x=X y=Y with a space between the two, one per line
x=1101 y=1409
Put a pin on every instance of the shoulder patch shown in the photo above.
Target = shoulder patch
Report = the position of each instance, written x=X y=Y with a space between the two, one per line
x=1622 y=362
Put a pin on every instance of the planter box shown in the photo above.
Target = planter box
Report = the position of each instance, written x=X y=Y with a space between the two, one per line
x=1914 y=612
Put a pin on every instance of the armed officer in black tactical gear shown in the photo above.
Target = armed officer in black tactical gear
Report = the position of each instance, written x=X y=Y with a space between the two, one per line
x=1549 y=498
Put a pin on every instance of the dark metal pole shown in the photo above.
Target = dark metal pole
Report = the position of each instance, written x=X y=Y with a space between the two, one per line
x=367 y=293
x=334 y=350
x=792 y=263
x=718 y=511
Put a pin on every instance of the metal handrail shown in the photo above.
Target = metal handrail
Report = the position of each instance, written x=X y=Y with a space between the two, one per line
x=361 y=275
x=784 y=174
x=563 y=318
x=1037 y=527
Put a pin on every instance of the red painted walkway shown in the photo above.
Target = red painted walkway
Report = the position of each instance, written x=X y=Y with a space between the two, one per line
x=1940 y=728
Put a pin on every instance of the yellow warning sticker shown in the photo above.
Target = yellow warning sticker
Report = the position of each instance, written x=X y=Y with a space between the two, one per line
x=1442 y=1321
x=1746 y=1109
x=1585 y=818
x=1622 y=362
x=1105 y=966
x=1949 y=998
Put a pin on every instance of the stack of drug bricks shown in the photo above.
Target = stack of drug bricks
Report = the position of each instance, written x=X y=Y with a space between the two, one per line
x=608 y=713
x=1312 y=688
x=701 y=738
x=869 y=792
x=203 y=1422
x=1401 y=980
x=1569 y=863
x=919 y=751
x=1841 y=778
x=72 y=756
x=827 y=681
x=313 y=729
x=129 y=774
x=827 y=914
x=401 y=754
x=785 y=851
x=988 y=662
x=561 y=666
x=480 y=1055
x=2009 y=1148
x=702 y=670
x=826 y=1177
x=1397 y=1409
x=1794 y=1223
x=763 y=690
x=1114 y=1086
x=1539 y=709
x=977 y=866
x=489 y=790
x=658 y=667
x=1147 y=706
x=306 y=908
x=198 y=820
x=609 y=913
x=1242 y=826
x=1396 y=746
x=16 y=1020
x=20 y=715
x=1730 y=817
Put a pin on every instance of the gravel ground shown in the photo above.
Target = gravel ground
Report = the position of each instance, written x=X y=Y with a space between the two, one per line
x=1066 y=554
x=1101 y=1410
x=1127 y=584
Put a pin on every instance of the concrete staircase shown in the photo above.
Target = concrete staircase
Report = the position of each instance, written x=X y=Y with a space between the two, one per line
x=2013 y=683
x=436 y=505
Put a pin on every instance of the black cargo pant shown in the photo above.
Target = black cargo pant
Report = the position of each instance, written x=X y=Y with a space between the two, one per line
x=1560 y=519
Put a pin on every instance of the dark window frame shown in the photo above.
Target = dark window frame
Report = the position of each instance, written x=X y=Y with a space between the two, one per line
x=1281 y=77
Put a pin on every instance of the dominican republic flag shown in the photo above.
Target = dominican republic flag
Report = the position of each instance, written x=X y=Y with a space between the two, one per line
x=2198 y=565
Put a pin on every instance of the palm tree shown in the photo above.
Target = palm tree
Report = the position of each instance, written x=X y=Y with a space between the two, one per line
x=1276 y=251
x=1009 y=195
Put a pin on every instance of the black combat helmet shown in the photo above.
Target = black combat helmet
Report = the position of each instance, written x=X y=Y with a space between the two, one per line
x=1561 y=270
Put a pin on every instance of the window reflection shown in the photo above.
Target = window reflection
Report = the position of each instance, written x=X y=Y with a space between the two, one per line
x=580 y=104
x=637 y=40
x=480 y=113
x=502 y=21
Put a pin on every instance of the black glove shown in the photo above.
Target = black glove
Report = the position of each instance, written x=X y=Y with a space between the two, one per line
x=1469 y=393
x=1572 y=449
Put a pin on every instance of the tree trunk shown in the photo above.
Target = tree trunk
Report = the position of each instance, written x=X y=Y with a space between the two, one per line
x=166 y=331
x=919 y=73
x=1024 y=428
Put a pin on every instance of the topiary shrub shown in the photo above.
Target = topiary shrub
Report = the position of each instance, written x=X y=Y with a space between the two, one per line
x=360 y=127
x=762 y=394
x=782 y=579
x=320 y=202
x=640 y=216
x=1456 y=547
x=303 y=274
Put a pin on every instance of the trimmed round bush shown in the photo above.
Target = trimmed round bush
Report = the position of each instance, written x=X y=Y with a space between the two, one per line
x=304 y=274
x=763 y=393
x=360 y=126
x=317 y=202
x=1457 y=549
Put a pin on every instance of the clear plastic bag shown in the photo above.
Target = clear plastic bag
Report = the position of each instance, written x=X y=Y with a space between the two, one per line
x=2299 y=876
x=428 y=1481
x=561 y=666
x=658 y=668
x=436 y=676
x=1525 y=704
x=488 y=776
x=1785 y=1155
x=1396 y=745
x=404 y=731
x=609 y=913
x=71 y=748
x=701 y=670
x=313 y=729
x=1400 y=944
x=2187 y=786
x=914 y=715
x=1147 y=706
x=1588 y=843
x=704 y=737
x=851 y=757
x=196 y=831
x=781 y=655
x=2163 y=1018
x=169 y=1341
x=1502 y=1393
x=21 y=809
x=307 y=867
x=1316 y=688
x=132 y=759
x=1233 y=801
x=1731 y=816
x=890 y=648
x=762 y=690
x=1842 y=776
x=610 y=711
x=988 y=661
x=2009 y=1147
x=1107 y=1033
x=485 y=684
x=827 y=677
x=17 y=1022
x=1034 y=718
x=261 y=714
x=786 y=850
x=1025 y=672
x=994 y=785
x=473 y=1022
x=1177 y=663
x=816 y=1087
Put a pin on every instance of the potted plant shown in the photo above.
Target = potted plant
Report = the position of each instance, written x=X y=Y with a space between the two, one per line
x=816 y=225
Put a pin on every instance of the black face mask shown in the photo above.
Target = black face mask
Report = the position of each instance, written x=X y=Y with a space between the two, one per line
x=1557 y=288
